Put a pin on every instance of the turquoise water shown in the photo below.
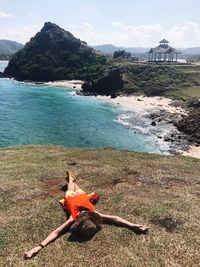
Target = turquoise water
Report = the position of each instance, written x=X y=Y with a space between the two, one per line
x=41 y=114
x=3 y=65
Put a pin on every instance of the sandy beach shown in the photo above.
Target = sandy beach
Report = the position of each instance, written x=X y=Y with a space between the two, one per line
x=144 y=103
x=75 y=84
x=192 y=152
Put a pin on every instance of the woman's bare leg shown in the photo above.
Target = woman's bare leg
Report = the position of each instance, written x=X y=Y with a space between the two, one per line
x=72 y=186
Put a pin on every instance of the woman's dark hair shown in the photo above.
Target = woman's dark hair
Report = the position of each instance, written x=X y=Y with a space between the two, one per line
x=87 y=224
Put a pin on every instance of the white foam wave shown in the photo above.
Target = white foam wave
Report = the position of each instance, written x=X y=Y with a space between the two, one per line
x=142 y=125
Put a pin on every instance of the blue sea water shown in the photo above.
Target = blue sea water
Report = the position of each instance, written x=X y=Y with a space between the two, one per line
x=3 y=65
x=43 y=114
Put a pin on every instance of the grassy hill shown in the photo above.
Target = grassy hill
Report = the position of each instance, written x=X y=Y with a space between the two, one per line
x=144 y=188
x=180 y=82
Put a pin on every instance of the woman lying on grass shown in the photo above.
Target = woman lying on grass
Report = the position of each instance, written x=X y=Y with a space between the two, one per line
x=84 y=220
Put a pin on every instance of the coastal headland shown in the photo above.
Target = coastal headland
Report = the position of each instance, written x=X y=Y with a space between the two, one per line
x=128 y=83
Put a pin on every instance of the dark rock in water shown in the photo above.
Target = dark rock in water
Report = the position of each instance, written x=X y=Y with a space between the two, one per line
x=109 y=84
x=55 y=54
x=1 y=75
x=153 y=123
x=87 y=86
x=113 y=96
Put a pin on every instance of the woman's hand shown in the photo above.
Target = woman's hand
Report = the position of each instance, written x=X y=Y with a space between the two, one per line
x=141 y=228
x=33 y=252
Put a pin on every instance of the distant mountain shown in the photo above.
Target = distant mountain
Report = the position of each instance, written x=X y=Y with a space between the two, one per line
x=55 y=54
x=109 y=49
x=9 y=47
x=191 y=51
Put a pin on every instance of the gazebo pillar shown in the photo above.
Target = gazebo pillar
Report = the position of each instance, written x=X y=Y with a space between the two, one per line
x=155 y=56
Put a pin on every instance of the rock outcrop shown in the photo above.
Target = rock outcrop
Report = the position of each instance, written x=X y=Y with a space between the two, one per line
x=191 y=126
x=110 y=84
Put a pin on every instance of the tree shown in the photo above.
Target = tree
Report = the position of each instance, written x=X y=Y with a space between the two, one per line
x=121 y=53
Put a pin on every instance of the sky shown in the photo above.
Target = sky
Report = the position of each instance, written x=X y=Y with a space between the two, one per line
x=129 y=23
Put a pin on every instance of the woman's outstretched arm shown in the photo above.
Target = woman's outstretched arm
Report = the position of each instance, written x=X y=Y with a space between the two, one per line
x=50 y=238
x=122 y=222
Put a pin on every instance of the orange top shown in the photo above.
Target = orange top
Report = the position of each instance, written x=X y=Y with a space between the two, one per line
x=72 y=203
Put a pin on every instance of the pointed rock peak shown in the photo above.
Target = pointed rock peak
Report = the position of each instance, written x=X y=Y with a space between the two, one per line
x=49 y=25
x=52 y=28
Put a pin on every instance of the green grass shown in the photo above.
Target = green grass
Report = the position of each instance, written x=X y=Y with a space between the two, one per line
x=180 y=82
x=144 y=188
x=186 y=94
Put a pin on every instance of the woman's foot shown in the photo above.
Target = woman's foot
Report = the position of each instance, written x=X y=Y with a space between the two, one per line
x=70 y=176
x=33 y=252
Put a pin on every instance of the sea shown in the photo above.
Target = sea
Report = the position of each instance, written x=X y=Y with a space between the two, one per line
x=43 y=114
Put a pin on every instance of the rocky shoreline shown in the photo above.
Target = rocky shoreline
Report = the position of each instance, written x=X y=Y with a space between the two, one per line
x=163 y=112
x=177 y=140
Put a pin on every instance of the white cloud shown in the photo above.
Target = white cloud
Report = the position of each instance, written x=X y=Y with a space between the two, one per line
x=20 y=34
x=187 y=35
x=88 y=25
x=31 y=16
x=117 y=23
x=85 y=9
x=120 y=34
x=5 y=15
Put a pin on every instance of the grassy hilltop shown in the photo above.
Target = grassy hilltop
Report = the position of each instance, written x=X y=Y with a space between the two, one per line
x=176 y=81
x=144 y=188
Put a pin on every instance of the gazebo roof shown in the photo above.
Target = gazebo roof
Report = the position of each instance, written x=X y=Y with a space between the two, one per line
x=161 y=50
x=163 y=41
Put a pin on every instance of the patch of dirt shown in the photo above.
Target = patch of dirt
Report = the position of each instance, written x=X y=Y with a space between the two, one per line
x=28 y=200
x=170 y=224
x=72 y=163
x=131 y=177
x=174 y=182
x=54 y=186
